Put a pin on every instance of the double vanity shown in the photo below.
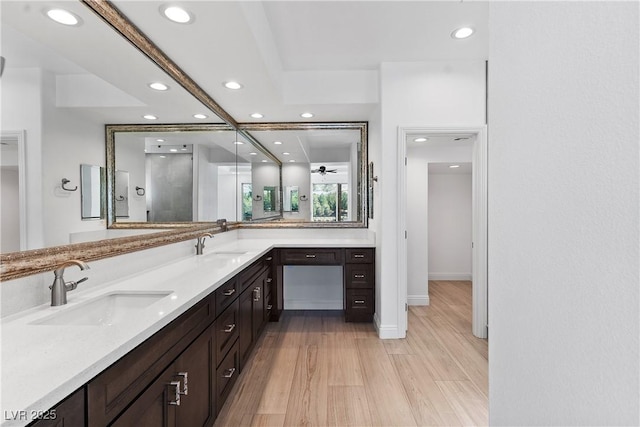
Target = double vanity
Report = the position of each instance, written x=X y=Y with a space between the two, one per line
x=164 y=346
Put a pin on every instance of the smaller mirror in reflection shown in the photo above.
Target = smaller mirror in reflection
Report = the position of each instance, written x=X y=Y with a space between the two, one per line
x=92 y=193
x=122 y=194
x=269 y=199
x=290 y=199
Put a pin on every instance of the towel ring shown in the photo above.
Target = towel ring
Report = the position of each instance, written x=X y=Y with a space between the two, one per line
x=65 y=181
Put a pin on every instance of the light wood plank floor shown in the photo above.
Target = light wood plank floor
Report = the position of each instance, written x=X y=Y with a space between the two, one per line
x=312 y=369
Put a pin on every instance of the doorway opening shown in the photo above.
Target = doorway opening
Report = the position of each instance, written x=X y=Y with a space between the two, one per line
x=449 y=147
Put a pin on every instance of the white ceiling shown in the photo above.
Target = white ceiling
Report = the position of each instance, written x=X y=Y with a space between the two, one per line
x=282 y=51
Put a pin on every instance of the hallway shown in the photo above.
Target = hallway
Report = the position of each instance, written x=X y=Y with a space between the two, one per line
x=313 y=369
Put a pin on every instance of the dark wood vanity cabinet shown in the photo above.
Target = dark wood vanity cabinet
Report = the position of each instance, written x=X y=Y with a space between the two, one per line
x=359 y=284
x=359 y=277
x=182 y=375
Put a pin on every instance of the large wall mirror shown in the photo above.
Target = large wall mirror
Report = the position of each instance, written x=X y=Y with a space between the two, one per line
x=314 y=174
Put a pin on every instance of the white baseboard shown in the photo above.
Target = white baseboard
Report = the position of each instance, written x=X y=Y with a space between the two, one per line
x=305 y=304
x=450 y=276
x=386 y=332
x=418 y=299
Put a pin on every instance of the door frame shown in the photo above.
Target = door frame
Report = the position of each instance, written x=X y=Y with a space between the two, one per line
x=18 y=137
x=479 y=195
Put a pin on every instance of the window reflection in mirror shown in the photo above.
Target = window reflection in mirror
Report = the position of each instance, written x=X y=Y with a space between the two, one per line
x=92 y=192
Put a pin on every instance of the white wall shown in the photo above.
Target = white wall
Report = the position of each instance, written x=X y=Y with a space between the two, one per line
x=412 y=94
x=450 y=225
x=22 y=110
x=297 y=174
x=9 y=210
x=418 y=256
x=83 y=140
x=564 y=213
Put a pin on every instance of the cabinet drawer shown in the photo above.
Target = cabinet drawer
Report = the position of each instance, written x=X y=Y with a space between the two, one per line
x=225 y=295
x=359 y=255
x=359 y=305
x=226 y=375
x=311 y=256
x=226 y=327
x=359 y=276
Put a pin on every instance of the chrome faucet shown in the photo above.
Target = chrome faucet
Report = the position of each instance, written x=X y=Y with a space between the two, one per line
x=222 y=223
x=200 y=243
x=59 y=288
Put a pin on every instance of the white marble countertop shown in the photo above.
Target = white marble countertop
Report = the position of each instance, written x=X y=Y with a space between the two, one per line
x=44 y=363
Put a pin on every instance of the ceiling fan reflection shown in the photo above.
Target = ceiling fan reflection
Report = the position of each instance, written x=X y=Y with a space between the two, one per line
x=322 y=170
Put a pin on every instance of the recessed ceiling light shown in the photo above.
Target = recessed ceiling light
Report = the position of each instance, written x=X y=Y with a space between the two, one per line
x=63 y=17
x=150 y=117
x=158 y=86
x=232 y=85
x=253 y=154
x=183 y=149
x=264 y=161
x=277 y=142
x=420 y=139
x=176 y=14
x=306 y=115
x=238 y=142
x=173 y=150
x=257 y=115
x=285 y=153
x=159 y=140
x=454 y=166
x=292 y=161
x=462 y=33
x=200 y=116
x=163 y=157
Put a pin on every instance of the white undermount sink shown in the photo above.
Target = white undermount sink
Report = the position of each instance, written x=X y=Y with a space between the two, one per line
x=105 y=310
x=229 y=253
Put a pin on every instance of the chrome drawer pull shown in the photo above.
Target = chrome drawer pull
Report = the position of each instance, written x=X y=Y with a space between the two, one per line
x=359 y=276
x=269 y=307
x=358 y=255
x=359 y=301
x=185 y=381
x=229 y=292
x=310 y=256
x=230 y=328
x=269 y=280
x=229 y=373
x=269 y=258
x=176 y=385
x=256 y=294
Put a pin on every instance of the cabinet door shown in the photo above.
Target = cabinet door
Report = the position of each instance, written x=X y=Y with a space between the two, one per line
x=258 y=288
x=245 y=337
x=156 y=406
x=195 y=369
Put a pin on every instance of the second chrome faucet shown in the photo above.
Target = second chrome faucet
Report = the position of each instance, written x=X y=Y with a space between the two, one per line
x=200 y=243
